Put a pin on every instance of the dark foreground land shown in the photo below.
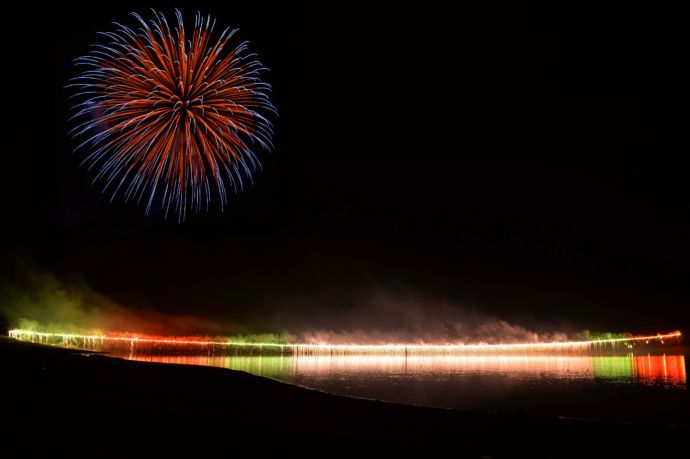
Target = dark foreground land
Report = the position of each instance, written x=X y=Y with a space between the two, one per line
x=63 y=403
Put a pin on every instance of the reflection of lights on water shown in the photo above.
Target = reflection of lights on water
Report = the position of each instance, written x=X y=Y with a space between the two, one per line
x=646 y=369
x=104 y=342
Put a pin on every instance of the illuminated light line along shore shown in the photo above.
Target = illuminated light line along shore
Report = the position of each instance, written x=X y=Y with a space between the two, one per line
x=102 y=342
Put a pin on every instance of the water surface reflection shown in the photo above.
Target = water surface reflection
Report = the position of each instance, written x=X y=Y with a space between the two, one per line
x=642 y=369
x=642 y=388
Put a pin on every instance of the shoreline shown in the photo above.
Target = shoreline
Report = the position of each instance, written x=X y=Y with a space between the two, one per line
x=57 y=393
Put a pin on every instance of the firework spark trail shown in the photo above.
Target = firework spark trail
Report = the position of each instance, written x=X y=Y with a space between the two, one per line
x=170 y=113
x=90 y=341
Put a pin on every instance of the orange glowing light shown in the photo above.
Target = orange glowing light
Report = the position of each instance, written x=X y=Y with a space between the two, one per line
x=666 y=367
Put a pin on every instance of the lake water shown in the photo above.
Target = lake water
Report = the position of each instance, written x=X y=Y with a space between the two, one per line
x=639 y=388
x=621 y=381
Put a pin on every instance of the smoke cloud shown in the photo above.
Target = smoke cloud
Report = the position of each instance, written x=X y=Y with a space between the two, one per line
x=40 y=301
x=383 y=316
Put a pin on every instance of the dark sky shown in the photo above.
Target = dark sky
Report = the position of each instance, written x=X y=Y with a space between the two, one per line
x=523 y=163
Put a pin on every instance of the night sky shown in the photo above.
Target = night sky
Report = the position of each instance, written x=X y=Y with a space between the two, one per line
x=518 y=163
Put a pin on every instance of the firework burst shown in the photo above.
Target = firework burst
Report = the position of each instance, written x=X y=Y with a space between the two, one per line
x=169 y=116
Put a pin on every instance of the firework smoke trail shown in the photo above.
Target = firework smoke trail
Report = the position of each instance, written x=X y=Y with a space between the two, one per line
x=171 y=114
